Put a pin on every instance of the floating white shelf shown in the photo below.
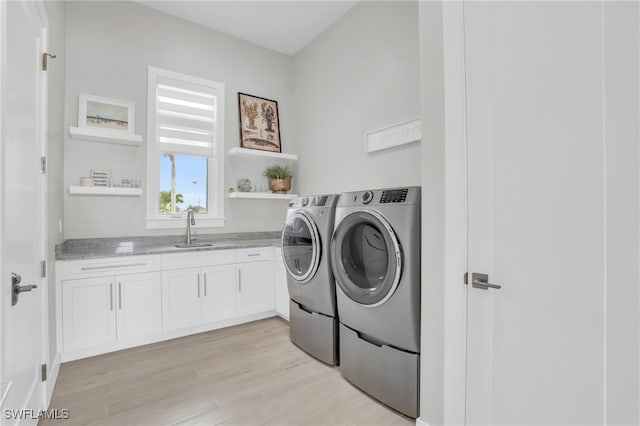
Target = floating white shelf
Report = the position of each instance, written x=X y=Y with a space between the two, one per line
x=254 y=153
x=105 y=190
x=105 y=136
x=262 y=195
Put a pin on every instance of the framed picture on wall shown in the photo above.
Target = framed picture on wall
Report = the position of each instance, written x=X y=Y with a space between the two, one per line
x=109 y=115
x=259 y=123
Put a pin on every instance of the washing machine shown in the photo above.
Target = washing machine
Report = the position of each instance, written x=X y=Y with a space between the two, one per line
x=375 y=257
x=306 y=237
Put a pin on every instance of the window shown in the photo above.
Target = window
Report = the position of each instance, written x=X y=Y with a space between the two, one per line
x=185 y=158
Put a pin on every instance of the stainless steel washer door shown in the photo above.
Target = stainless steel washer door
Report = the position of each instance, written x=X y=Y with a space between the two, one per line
x=366 y=258
x=301 y=247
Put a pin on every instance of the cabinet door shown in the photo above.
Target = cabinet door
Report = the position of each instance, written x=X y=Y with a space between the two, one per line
x=254 y=288
x=139 y=305
x=282 y=292
x=88 y=312
x=219 y=291
x=181 y=299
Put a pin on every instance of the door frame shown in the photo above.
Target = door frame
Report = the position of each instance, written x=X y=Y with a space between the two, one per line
x=37 y=13
x=456 y=188
x=444 y=215
x=456 y=212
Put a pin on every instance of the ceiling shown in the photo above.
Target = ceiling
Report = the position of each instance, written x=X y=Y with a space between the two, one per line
x=283 y=26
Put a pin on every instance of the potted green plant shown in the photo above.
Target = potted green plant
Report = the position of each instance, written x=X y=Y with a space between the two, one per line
x=279 y=179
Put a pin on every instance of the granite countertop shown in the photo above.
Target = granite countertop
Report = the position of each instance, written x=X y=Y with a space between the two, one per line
x=91 y=248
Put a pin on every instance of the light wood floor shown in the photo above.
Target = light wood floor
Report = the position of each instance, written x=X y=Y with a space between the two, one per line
x=249 y=374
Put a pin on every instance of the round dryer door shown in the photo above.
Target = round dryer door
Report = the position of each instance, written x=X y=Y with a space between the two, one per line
x=366 y=258
x=301 y=247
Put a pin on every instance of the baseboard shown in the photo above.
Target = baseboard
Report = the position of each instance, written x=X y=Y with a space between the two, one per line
x=52 y=378
x=420 y=422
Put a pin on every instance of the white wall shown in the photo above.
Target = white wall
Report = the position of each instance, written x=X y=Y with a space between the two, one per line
x=55 y=208
x=109 y=46
x=359 y=75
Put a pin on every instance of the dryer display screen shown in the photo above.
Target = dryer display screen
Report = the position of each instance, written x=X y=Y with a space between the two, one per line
x=394 y=196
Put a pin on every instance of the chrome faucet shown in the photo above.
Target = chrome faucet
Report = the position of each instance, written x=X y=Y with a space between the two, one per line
x=191 y=220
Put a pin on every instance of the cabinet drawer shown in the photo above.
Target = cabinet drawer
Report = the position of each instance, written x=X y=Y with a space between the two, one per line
x=108 y=266
x=254 y=254
x=196 y=259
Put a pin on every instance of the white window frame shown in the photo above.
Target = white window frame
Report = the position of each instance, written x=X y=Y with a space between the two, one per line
x=215 y=173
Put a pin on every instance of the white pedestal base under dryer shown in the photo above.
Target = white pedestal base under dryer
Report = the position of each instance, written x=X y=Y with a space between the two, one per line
x=375 y=257
x=306 y=236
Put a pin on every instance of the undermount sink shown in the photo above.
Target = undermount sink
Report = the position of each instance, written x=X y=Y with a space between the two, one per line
x=192 y=245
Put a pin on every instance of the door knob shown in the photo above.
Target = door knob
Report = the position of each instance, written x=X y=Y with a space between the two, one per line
x=481 y=281
x=16 y=289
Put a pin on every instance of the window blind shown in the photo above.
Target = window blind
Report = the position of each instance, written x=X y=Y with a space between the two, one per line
x=185 y=117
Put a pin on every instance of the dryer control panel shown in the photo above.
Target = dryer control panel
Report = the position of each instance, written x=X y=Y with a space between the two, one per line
x=407 y=195
x=394 y=196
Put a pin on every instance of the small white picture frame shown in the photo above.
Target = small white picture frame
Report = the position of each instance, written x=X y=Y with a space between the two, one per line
x=105 y=114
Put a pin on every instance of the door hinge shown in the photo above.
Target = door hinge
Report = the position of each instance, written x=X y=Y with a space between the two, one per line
x=43 y=269
x=43 y=165
x=45 y=60
x=466 y=278
x=43 y=372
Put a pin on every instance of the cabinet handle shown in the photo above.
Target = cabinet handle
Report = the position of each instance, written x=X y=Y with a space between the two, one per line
x=111 y=296
x=239 y=280
x=120 y=296
x=198 y=285
x=205 y=284
x=253 y=254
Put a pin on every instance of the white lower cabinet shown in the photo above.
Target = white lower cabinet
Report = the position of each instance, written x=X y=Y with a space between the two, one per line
x=113 y=303
x=254 y=288
x=219 y=292
x=139 y=305
x=88 y=314
x=102 y=310
x=196 y=296
x=181 y=299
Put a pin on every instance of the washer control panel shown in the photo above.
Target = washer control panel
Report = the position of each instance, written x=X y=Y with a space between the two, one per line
x=319 y=201
x=314 y=201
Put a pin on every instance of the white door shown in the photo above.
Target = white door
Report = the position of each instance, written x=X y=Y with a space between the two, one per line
x=139 y=305
x=88 y=312
x=181 y=299
x=219 y=291
x=254 y=288
x=537 y=213
x=22 y=26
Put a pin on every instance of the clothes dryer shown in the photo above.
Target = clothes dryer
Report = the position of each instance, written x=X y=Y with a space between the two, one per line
x=375 y=257
x=306 y=237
